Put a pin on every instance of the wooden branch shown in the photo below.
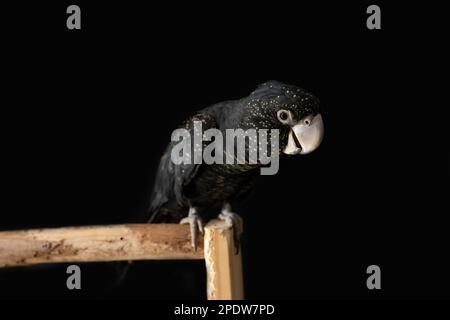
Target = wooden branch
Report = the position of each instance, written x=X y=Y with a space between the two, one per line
x=132 y=242
x=98 y=243
x=223 y=266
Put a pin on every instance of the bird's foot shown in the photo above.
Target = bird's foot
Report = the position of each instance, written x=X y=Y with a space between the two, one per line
x=196 y=223
x=236 y=222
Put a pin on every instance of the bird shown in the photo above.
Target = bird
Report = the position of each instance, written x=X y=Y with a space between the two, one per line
x=182 y=191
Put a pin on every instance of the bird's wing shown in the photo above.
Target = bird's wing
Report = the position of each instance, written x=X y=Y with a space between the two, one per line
x=171 y=178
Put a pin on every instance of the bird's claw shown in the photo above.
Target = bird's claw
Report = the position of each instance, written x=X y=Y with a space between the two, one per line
x=196 y=224
x=236 y=222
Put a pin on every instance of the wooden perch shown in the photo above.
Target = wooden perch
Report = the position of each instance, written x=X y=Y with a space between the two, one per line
x=223 y=265
x=131 y=242
x=97 y=243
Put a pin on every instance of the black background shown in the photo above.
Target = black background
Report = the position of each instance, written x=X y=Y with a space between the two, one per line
x=87 y=113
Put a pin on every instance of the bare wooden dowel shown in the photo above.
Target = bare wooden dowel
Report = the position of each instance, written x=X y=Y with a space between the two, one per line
x=98 y=243
x=223 y=266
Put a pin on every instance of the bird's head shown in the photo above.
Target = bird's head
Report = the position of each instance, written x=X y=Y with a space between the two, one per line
x=292 y=110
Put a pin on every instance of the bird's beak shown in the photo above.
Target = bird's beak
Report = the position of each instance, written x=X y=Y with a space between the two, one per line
x=305 y=136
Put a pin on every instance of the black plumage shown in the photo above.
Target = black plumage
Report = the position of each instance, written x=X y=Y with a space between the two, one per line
x=180 y=187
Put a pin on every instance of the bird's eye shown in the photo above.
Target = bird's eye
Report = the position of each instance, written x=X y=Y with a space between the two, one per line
x=283 y=115
x=307 y=122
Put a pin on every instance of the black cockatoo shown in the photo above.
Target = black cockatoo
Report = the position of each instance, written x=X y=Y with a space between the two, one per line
x=182 y=191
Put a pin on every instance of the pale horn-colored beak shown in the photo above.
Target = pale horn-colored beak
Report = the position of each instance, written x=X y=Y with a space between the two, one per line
x=305 y=136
